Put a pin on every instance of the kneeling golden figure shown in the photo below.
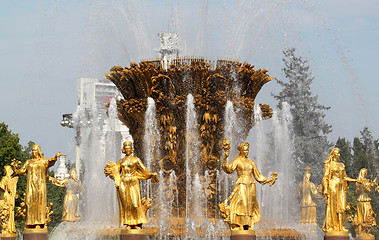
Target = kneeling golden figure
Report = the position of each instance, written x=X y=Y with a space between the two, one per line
x=243 y=211
x=126 y=175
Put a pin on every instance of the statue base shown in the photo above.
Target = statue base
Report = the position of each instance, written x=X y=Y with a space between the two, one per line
x=338 y=235
x=9 y=236
x=365 y=237
x=35 y=234
x=243 y=235
x=132 y=234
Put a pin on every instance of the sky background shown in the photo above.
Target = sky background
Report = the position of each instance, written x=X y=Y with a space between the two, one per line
x=46 y=45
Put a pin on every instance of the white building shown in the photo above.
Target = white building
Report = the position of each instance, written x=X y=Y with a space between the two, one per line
x=100 y=92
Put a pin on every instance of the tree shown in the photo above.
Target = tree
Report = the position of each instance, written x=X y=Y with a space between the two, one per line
x=362 y=154
x=10 y=147
x=309 y=128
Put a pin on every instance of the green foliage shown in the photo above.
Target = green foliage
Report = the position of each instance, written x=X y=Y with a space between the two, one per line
x=55 y=195
x=363 y=153
x=309 y=128
x=10 y=146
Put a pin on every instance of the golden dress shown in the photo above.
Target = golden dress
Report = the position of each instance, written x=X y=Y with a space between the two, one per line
x=71 y=200
x=9 y=186
x=335 y=185
x=364 y=219
x=131 y=171
x=243 y=209
x=308 y=207
x=35 y=193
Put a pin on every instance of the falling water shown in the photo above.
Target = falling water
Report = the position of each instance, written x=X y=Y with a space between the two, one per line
x=281 y=194
x=150 y=143
x=199 y=201
x=98 y=146
x=232 y=132
x=192 y=148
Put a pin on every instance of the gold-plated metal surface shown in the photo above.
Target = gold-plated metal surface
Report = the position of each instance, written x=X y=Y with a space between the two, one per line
x=132 y=231
x=337 y=233
x=126 y=175
x=334 y=187
x=9 y=187
x=37 y=229
x=243 y=211
x=211 y=83
x=308 y=192
x=35 y=193
x=364 y=218
x=243 y=232
x=73 y=187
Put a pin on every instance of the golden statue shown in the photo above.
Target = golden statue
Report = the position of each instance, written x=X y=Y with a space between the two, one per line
x=243 y=211
x=71 y=200
x=334 y=187
x=308 y=191
x=126 y=175
x=8 y=186
x=365 y=217
x=35 y=194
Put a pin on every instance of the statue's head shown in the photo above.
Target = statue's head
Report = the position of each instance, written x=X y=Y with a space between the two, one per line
x=74 y=174
x=244 y=149
x=335 y=153
x=127 y=148
x=307 y=175
x=36 y=151
x=362 y=173
x=8 y=170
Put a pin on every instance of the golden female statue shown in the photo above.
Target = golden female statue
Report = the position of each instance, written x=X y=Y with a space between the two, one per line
x=35 y=194
x=73 y=187
x=243 y=211
x=365 y=216
x=335 y=184
x=308 y=191
x=126 y=175
x=9 y=187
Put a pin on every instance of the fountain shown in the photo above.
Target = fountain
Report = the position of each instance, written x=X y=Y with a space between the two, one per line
x=178 y=111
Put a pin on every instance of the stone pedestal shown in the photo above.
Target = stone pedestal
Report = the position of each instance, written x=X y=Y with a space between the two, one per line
x=133 y=234
x=243 y=235
x=35 y=234
x=8 y=236
x=337 y=235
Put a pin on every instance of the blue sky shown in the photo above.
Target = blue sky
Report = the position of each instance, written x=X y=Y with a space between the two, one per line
x=46 y=45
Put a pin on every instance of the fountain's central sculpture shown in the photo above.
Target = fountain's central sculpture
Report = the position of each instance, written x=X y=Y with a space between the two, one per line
x=212 y=84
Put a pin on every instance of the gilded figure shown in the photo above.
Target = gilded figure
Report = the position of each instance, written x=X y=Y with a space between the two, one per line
x=73 y=187
x=334 y=188
x=8 y=186
x=243 y=211
x=308 y=193
x=35 y=193
x=364 y=218
x=126 y=175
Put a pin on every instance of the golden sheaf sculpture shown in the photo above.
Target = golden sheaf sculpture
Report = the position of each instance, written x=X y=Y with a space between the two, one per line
x=364 y=218
x=35 y=193
x=126 y=175
x=243 y=211
x=73 y=187
x=308 y=192
x=334 y=185
x=8 y=187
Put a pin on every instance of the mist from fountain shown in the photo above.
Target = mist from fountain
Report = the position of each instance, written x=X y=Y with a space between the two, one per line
x=192 y=150
x=151 y=152
x=98 y=201
x=279 y=158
